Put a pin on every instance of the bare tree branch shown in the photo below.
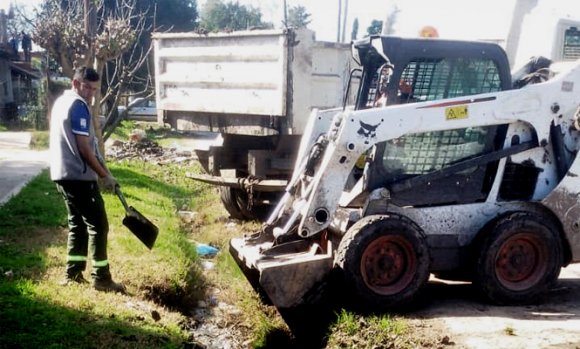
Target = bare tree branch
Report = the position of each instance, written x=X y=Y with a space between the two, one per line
x=60 y=30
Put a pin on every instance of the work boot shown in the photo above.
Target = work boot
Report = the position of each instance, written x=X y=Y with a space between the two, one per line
x=108 y=285
x=74 y=279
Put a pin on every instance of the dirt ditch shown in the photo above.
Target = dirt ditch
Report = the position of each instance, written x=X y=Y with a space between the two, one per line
x=452 y=315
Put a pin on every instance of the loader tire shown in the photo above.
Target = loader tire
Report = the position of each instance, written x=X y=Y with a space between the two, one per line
x=385 y=260
x=519 y=259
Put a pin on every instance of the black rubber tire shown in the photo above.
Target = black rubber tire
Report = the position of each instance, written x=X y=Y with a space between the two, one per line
x=242 y=202
x=230 y=202
x=385 y=260
x=519 y=259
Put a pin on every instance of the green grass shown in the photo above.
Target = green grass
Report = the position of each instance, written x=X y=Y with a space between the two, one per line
x=375 y=331
x=509 y=331
x=123 y=130
x=37 y=312
x=39 y=140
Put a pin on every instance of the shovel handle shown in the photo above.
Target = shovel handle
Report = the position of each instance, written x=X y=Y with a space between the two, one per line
x=121 y=197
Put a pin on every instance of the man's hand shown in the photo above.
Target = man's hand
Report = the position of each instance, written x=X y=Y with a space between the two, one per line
x=109 y=183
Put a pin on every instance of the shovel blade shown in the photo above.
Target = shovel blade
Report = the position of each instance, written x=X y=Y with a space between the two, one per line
x=141 y=227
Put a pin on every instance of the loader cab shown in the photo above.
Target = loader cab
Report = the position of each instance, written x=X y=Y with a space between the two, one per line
x=428 y=69
x=399 y=70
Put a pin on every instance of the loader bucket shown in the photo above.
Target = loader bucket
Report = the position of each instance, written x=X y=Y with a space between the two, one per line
x=284 y=274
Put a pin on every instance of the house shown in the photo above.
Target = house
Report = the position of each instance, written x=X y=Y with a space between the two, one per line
x=17 y=78
x=8 y=107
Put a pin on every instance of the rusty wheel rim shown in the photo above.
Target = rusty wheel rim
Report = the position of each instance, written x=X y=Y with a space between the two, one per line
x=388 y=265
x=521 y=261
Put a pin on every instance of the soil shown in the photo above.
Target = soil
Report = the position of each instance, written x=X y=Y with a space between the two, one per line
x=472 y=323
x=453 y=315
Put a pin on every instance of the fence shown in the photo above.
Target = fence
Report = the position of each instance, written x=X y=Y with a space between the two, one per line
x=24 y=117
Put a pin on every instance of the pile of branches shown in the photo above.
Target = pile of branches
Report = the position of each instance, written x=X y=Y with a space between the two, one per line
x=144 y=149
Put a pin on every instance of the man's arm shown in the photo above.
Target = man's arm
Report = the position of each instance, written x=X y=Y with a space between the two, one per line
x=88 y=154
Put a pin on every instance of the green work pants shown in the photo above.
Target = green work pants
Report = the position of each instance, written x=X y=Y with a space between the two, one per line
x=88 y=228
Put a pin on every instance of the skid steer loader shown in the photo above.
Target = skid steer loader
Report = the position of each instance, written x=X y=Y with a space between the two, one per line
x=441 y=167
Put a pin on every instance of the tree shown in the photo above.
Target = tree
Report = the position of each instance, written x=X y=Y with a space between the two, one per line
x=375 y=27
x=19 y=22
x=60 y=28
x=298 y=17
x=121 y=44
x=389 y=27
x=354 y=33
x=171 y=15
x=217 y=15
x=161 y=16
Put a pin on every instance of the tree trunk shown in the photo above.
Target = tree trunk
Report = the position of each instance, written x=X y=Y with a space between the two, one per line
x=96 y=107
x=90 y=26
x=90 y=30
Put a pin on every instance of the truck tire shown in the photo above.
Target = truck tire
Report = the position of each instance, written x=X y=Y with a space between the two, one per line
x=230 y=202
x=235 y=202
x=519 y=259
x=243 y=204
x=385 y=260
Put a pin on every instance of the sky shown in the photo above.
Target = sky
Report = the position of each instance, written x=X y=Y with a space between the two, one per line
x=453 y=19
x=467 y=20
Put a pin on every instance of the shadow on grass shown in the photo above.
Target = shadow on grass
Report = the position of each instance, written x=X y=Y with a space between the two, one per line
x=32 y=222
x=129 y=177
x=26 y=322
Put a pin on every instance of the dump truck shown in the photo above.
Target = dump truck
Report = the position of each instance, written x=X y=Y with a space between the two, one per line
x=245 y=97
x=444 y=165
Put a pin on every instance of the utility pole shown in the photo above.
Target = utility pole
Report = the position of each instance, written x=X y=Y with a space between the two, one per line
x=285 y=14
x=344 y=19
x=339 y=19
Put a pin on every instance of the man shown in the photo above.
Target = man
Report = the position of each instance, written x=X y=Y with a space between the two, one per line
x=76 y=165
x=26 y=46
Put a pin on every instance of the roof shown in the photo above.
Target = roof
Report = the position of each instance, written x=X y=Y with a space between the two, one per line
x=25 y=68
x=5 y=52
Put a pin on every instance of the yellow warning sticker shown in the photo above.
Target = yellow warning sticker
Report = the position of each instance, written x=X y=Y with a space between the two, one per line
x=456 y=112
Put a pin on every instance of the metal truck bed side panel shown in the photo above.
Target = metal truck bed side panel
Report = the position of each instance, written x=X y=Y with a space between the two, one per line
x=222 y=73
x=247 y=75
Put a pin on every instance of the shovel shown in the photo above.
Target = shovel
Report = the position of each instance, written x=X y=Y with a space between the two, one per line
x=138 y=224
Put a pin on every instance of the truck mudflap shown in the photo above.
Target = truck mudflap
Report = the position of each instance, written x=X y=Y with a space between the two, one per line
x=283 y=273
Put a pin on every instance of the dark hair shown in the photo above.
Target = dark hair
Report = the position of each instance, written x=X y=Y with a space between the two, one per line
x=86 y=74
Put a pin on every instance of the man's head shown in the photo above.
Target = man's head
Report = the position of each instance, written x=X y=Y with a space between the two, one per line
x=85 y=82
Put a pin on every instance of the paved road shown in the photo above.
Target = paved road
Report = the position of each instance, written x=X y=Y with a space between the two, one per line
x=18 y=164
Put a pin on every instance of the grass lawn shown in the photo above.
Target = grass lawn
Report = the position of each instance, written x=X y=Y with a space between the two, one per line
x=36 y=311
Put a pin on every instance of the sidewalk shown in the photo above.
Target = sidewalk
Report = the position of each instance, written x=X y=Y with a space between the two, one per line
x=18 y=164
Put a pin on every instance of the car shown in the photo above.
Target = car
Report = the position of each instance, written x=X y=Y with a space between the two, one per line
x=140 y=109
